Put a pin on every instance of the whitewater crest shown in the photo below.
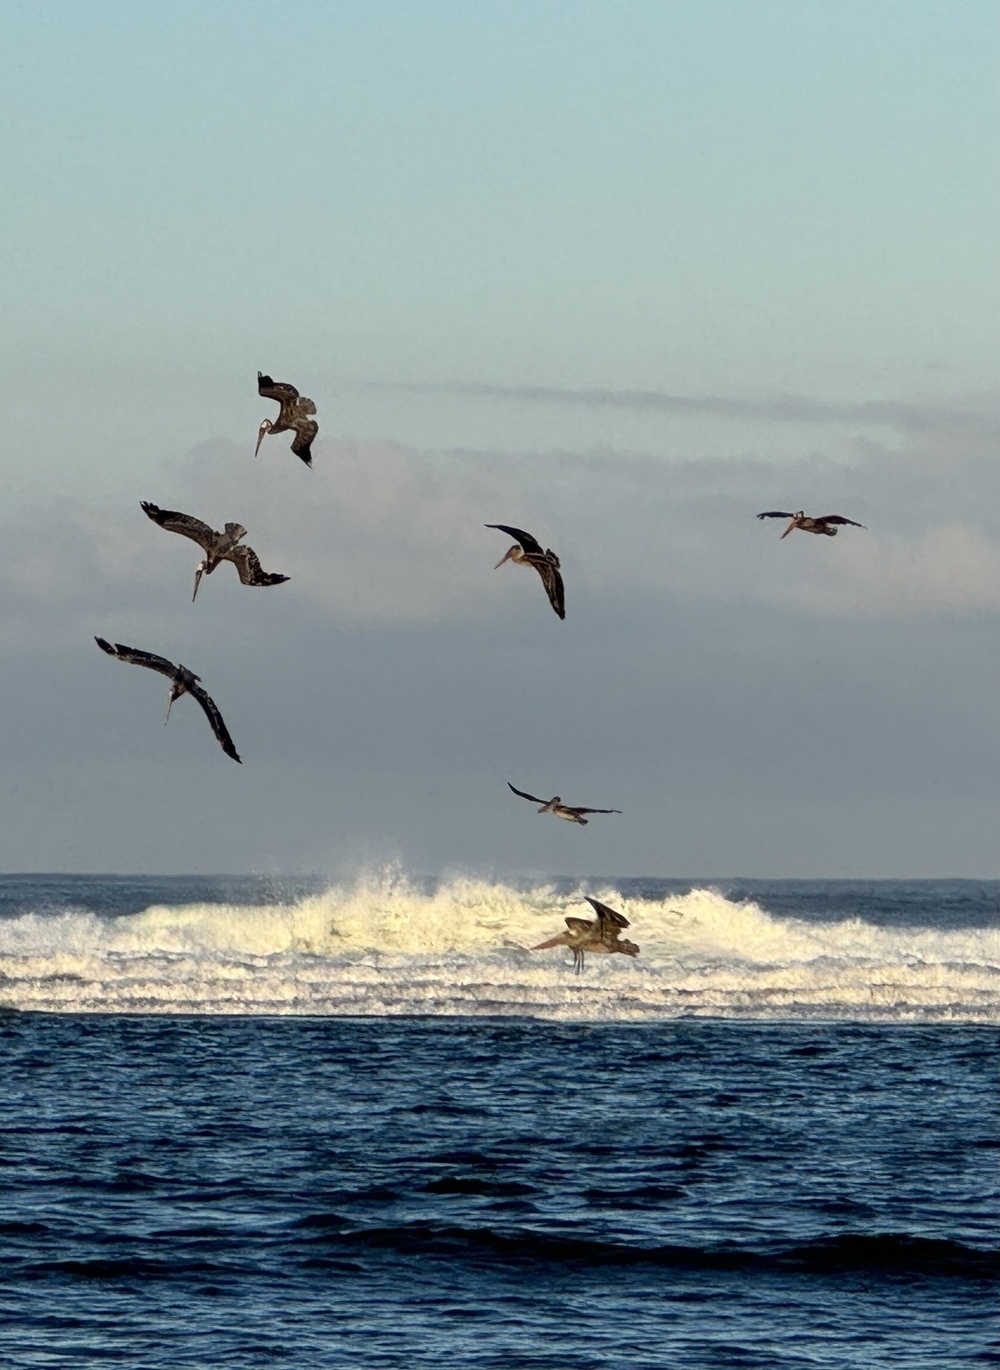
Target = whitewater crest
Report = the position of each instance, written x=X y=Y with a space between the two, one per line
x=384 y=946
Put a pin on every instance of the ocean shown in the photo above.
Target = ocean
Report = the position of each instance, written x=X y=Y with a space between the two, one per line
x=248 y=1122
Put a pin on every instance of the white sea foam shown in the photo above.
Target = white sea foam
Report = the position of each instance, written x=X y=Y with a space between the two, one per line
x=383 y=947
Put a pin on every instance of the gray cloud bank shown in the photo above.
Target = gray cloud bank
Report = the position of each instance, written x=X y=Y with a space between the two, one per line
x=813 y=706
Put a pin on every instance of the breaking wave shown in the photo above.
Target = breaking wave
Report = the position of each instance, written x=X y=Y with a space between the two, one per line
x=384 y=947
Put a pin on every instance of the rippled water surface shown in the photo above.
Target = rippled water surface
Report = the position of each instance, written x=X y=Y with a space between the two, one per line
x=475 y=1193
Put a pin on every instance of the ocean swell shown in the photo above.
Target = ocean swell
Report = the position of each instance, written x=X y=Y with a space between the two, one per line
x=847 y=1253
x=383 y=947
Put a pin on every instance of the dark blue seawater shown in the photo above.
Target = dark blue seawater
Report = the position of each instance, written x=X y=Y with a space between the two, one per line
x=231 y=1192
x=474 y=1190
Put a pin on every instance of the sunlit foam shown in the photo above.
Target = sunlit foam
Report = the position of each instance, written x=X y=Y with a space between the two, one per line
x=382 y=946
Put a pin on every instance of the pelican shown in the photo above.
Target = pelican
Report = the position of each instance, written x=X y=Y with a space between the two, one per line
x=294 y=413
x=183 y=682
x=217 y=547
x=810 y=525
x=528 y=552
x=583 y=936
x=561 y=810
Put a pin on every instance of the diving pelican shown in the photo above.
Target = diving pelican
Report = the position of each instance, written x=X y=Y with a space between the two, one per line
x=583 y=936
x=294 y=413
x=216 y=546
x=183 y=682
x=810 y=525
x=561 y=810
x=529 y=553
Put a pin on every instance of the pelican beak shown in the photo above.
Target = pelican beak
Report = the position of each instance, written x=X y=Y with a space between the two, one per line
x=788 y=530
x=264 y=428
x=504 y=558
x=199 y=569
x=170 y=704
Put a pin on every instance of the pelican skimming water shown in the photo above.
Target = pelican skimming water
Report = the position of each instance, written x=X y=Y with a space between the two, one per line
x=556 y=806
x=216 y=546
x=294 y=413
x=183 y=682
x=583 y=936
x=529 y=553
x=810 y=525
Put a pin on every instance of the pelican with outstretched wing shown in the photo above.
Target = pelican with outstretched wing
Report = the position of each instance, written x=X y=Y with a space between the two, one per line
x=826 y=524
x=183 y=682
x=603 y=936
x=295 y=412
x=561 y=810
x=528 y=552
x=216 y=546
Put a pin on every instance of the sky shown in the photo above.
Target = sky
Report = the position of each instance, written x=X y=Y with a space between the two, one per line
x=620 y=273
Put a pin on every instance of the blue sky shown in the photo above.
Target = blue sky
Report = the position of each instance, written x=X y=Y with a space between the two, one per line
x=585 y=261
x=704 y=198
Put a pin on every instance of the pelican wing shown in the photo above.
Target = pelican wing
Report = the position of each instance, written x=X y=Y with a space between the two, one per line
x=534 y=798
x=560 y=940
x=838 y=518
x=248 y=567
x=576 y=809
x=548 y=568
x=305 y=432
x=186 y=524
x=607 y=915
x=215 y=719
x=579 y=925
x=775 y=514
x=137 y=658
x=527 y=542
x=275 y=390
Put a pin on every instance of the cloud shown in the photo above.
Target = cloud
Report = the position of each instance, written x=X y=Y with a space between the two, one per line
x=950 y=568
x=907 y=417
x=383 y=535
x=386 y=694
x=687 y=530
x=376 y=533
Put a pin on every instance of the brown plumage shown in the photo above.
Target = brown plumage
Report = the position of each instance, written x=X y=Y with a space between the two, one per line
x=217 y=547
x=603 y=936
x=555 y=805
x=529 y=553
x=294 y=413
x=805 y=524
x=183 y=682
